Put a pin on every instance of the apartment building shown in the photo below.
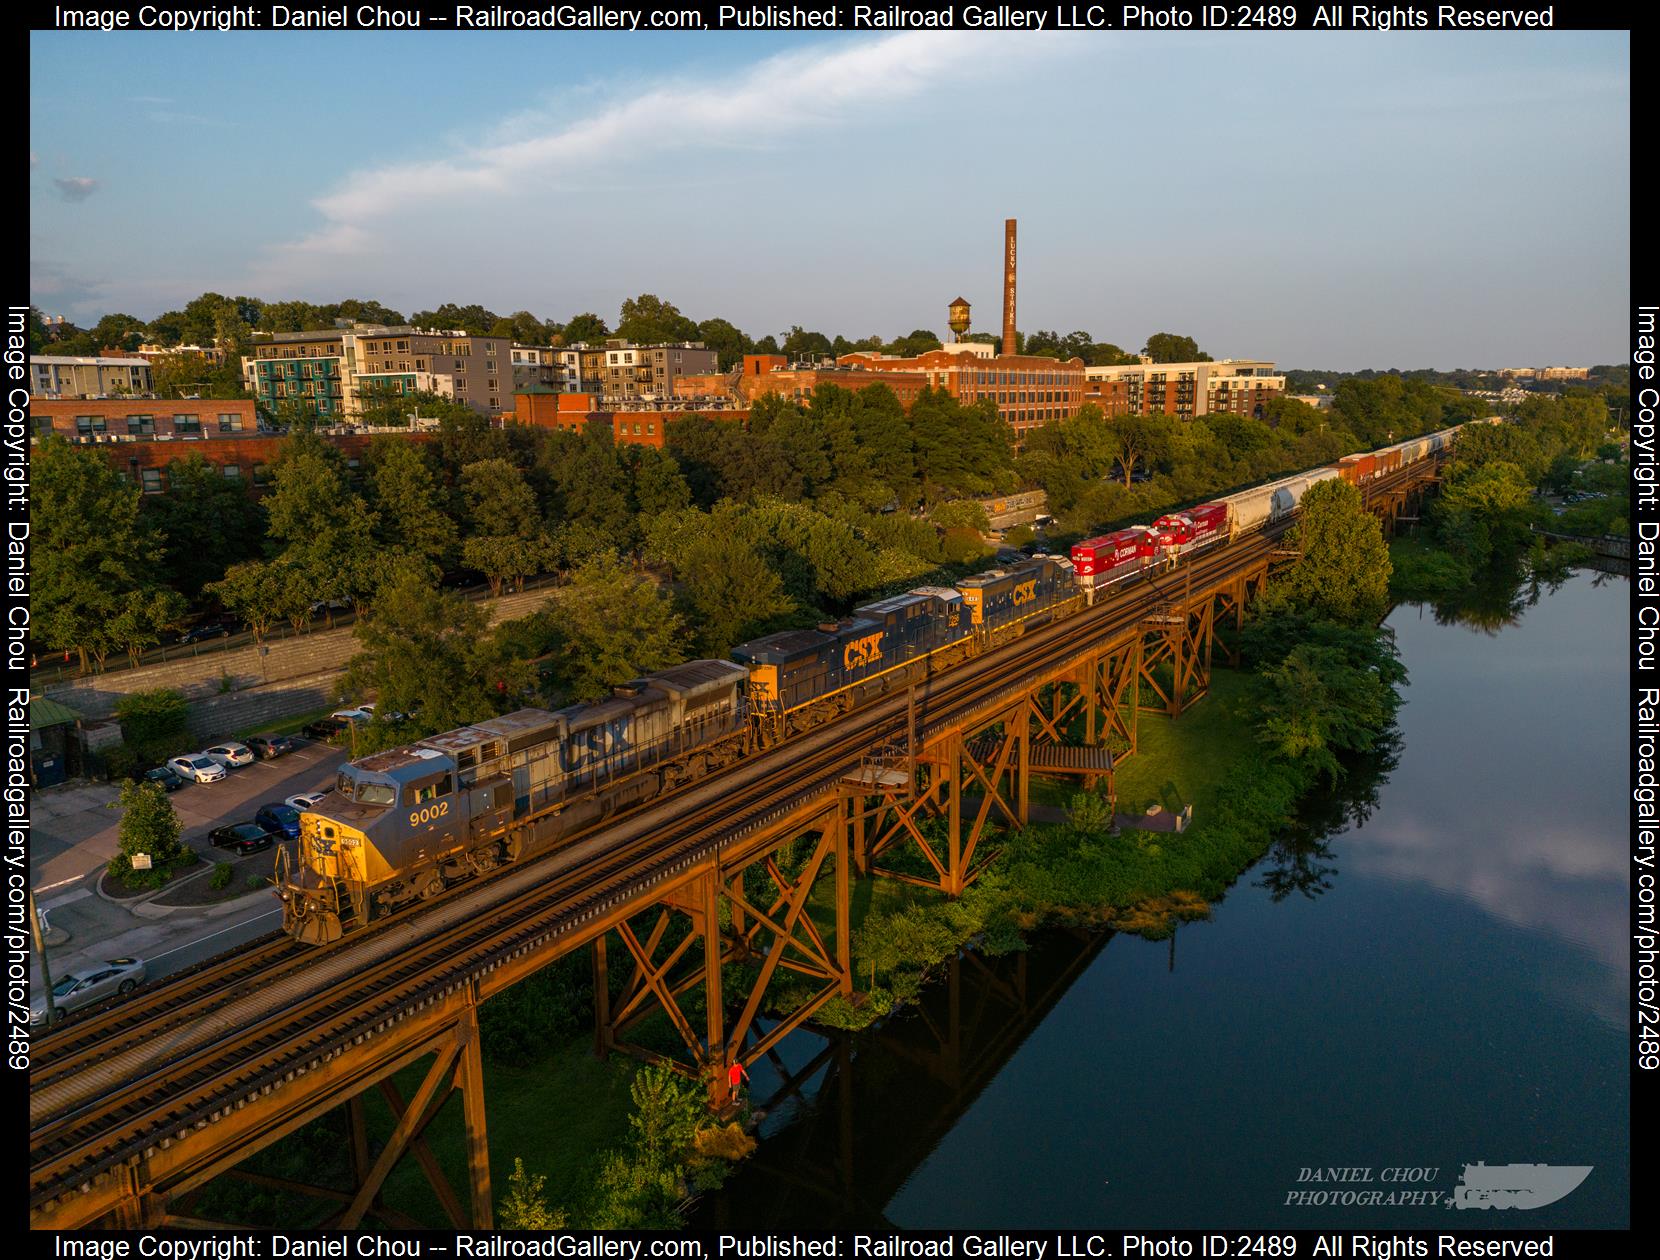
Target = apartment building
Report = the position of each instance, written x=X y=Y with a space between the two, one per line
x=52 y=376
x=1243 y=387
x=333 y=374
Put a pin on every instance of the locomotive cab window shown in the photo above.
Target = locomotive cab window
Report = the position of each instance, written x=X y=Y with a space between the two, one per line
x=430 y=791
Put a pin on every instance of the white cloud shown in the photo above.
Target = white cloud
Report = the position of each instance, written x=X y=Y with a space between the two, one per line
x=76 y=188
x=780 y=98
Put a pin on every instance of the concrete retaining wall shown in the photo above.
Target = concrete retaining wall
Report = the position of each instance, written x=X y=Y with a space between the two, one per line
x=293 y=676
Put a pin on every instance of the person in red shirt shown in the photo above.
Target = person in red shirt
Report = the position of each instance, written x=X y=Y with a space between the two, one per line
x=735 y=1076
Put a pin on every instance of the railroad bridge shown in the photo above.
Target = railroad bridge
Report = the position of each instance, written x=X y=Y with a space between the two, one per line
x=135 y=1109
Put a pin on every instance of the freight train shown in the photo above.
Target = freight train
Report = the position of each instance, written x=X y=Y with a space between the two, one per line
x=402 y=826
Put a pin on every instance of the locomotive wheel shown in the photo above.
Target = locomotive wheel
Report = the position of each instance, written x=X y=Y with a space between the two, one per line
x=433 y=886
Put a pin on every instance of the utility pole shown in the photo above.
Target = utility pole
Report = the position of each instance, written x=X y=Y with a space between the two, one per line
x=45 y=970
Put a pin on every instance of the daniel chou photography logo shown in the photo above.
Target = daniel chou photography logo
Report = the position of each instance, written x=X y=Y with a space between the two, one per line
x=1481 y=1185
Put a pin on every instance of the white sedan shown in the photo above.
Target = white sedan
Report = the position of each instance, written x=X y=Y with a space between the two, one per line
x=304 y=801
x=231 y=754
x=364 y=713
x=197 y=768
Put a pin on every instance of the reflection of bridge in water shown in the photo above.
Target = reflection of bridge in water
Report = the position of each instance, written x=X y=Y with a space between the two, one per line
x=847 y=1127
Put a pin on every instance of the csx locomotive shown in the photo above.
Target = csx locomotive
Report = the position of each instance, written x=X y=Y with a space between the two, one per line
x=403 y=825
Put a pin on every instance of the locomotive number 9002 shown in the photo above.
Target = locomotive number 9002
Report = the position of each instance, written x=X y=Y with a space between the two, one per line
x=431 y=812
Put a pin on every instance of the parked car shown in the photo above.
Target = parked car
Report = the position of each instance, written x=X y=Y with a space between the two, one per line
x=231 y=754
x=325 y=729
x=170 y=779
x=209 y=630
x=266 y=747
x=89 y=985
x=363 y=713
x=304 y=801
x=197 y=767
x=244 y=837
x=279 y=816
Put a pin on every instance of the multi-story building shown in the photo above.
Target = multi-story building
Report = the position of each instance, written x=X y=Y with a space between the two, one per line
x=625 y=373
x=770 y=374
x=535 y=366
x=1028 y=390
x=303 y=371
x=1243 y=387
x=334 y=374
x=72 y=377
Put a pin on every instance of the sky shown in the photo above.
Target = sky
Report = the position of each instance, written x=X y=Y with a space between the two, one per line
x=1343 y=201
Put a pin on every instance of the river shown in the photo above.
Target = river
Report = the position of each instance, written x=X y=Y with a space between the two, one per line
x=1451 y=992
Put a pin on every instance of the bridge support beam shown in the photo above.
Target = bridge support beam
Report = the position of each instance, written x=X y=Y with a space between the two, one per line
x=687 y=955
x=968 y=777
x=1179 y=637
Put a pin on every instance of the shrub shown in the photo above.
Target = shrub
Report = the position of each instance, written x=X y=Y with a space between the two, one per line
x=121 y=762
x=221 y=875
x=149 y=825
x=154 y=723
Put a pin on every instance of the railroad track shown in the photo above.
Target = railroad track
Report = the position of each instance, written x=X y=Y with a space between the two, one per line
x=122 y=1080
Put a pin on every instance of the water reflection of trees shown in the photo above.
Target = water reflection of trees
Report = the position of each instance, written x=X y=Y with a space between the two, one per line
x=1505 y=592
x=1301 y=859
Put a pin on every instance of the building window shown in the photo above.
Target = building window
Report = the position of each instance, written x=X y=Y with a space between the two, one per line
x=141 y=424
x=86 y=426
x=232 y=472
x=262 y=475
x=187 y=424
x=151 y=480
x=230 y=422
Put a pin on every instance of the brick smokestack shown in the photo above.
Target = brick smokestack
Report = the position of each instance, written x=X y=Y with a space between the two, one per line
x=1008 y=287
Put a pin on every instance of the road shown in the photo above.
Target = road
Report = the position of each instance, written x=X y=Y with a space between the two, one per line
x=75 y=836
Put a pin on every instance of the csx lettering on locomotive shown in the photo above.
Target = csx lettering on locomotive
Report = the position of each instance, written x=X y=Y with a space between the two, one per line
x=862 y=652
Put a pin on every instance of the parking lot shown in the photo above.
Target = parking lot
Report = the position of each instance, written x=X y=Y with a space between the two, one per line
x=76 y=834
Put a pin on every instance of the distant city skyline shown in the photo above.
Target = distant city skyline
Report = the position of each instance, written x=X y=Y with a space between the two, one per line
x=1412 y=200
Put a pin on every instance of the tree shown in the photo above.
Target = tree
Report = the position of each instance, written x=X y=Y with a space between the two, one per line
x=504 y=558
x=1343 y=573
x=613 y=625
x=584 y=327
x=408 y=502
x=525 y=1205
x=1316 y=703
x=473 y=319
x=426 y=652
x=144 y=615
x=731 y=594
x=801 y=344
x=1173 y=348
x=1137 y=440
x=649 y=320
x=260 y=592
x=90 y=546
x=323 y=526
x=206 y=521
x=961 y=514
x=149 y=825
x=726 y=340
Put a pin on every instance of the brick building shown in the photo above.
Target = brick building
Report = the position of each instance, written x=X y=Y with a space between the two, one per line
x=772 y=374
x=140 y=444
x=572 y=412
x=1028 y=390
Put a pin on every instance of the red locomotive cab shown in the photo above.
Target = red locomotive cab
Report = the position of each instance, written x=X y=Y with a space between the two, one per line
x=1092 y=556
x=1172 y=531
